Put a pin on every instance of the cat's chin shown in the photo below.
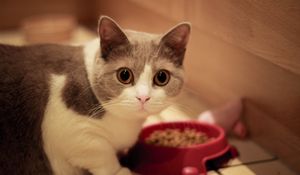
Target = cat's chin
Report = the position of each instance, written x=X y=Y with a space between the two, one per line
x=140 y=113
x=135 y=111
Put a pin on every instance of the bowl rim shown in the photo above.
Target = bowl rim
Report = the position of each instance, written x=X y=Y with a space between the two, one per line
x=219 y=138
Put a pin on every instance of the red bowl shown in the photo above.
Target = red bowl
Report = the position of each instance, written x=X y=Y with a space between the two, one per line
x=149 y=159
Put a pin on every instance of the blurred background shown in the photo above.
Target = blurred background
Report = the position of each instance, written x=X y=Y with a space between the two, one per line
x=247 y=49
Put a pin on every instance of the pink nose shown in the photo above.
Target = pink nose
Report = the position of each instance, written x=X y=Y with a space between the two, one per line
x=143 y=99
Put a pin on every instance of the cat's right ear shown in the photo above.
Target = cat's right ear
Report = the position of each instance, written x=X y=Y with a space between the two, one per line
x=111 y=35
x=176 y=40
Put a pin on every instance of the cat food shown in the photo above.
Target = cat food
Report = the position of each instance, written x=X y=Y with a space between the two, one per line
x=177 y=137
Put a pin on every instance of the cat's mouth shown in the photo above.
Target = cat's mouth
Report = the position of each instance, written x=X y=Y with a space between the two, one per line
x=143 y=108
x=149 y=109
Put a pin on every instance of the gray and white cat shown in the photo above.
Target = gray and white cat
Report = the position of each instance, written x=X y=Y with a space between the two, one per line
x=66 y=110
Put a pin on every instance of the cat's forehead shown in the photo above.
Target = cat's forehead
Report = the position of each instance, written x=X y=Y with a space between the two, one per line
x=144 y=46
x=144 y=49
x=142 y=37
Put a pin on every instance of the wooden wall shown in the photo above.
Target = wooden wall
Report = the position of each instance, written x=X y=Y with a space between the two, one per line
x=238 y=48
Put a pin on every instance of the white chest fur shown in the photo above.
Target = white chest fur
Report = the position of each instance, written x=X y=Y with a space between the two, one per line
x=69 y=136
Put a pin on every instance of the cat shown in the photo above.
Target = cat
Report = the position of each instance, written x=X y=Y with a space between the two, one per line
x=67 y=110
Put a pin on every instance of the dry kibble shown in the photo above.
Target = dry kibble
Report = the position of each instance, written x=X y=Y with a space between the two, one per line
x=177 y=137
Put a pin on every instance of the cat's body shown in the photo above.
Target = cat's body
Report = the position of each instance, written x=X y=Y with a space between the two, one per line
x=67 y=109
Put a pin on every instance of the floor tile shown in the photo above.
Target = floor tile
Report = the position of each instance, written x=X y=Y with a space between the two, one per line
x=249 y=151
x=236 y=170
x=239 y=170
x=271 y=168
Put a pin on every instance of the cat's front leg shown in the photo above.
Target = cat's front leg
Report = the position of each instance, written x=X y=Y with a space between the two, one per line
x=121 y=171
x=99 y=158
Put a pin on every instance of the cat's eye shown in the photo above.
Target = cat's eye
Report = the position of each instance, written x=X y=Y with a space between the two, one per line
x=161 y=78
x=125 y=75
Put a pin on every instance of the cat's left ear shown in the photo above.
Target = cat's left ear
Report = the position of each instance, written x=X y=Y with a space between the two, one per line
x=111 y=35
x=176 y=40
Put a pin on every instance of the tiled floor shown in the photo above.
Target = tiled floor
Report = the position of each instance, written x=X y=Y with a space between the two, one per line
x=253 y=159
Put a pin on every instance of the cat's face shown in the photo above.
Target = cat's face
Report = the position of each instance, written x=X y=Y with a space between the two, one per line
x=138 y=73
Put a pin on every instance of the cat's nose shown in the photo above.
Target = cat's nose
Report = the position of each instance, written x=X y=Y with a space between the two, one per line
x=143 y=99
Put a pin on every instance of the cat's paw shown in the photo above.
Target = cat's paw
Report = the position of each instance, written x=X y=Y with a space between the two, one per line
x=124 y=171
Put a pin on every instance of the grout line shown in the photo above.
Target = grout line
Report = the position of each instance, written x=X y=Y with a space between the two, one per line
x=252 y=162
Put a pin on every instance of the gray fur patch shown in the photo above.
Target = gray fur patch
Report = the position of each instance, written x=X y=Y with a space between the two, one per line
x=24 y=92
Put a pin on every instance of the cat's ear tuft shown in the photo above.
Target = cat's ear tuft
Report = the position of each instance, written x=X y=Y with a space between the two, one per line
x=177 y=38
x=111 y=35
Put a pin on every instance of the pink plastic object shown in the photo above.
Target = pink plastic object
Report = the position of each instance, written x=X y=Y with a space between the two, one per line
x=149 y=159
